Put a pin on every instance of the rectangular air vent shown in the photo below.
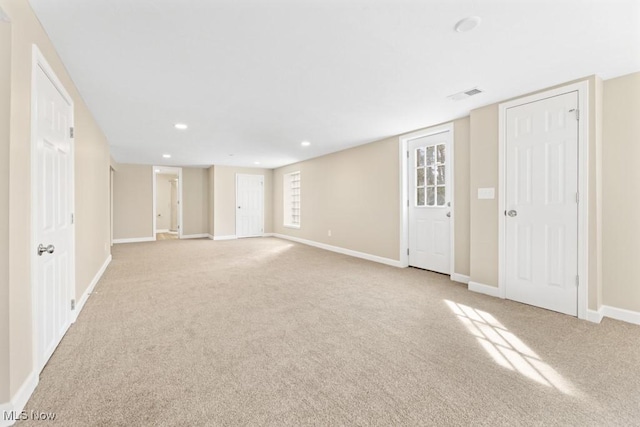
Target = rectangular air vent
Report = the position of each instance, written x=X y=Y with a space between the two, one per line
x=465 y=94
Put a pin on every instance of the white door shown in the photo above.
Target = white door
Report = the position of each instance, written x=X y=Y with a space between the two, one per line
x=52 y=212
x=429 y=202
x=541 y=203
x=249 y=205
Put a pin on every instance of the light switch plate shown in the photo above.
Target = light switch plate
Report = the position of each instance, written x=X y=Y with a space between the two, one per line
x=486 y=193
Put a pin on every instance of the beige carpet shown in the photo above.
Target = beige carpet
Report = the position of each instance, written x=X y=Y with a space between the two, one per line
x=268 y=332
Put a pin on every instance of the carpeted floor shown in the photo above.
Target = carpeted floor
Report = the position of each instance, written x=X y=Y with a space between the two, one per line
x=269 y=332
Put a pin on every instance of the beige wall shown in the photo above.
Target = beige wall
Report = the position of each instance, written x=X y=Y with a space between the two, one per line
x=224 y=194
x=354 y=193
x=211 y=175
x=483 y=173
x=133 y=202
x=621 y=192
x=5 y=92
x=91 y=174
x=195 y=201
x=163 y=200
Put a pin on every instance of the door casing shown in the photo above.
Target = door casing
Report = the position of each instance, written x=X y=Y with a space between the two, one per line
x=583 y=186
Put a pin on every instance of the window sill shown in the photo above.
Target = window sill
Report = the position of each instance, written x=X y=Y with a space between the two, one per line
x=291 y=226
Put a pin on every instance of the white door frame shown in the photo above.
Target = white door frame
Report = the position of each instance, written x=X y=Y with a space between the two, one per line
x=39 y=62
x=583 y=186
x=236 y=202
x=168 y=170
x=404 y=191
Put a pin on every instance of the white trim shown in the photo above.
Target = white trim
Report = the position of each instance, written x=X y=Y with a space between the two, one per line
x=196 y=236
x=262 y=200
x=583 y=186
x=134 y=240
x=85 y=296
x=337 y=249
x=404 y=209
x=40 y=62
x=594 y=316
x=20 y=399
x=169 y=170
x=233 y=237
x=484 y=289
x=460 y=278
x=163 y=230
x=268 y=235
x=621 y=314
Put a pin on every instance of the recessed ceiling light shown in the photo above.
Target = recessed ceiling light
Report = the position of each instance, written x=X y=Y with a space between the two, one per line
x=305 y=143
x=467 y=24
x=256 y=163
x=180 y=126
x=166 y=156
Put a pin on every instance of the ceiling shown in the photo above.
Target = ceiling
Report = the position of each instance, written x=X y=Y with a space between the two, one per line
x=253 y=79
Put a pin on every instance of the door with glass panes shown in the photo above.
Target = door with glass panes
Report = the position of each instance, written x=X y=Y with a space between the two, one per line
x=429 y=202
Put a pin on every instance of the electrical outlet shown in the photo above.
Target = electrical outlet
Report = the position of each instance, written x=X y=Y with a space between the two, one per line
x=329 y=233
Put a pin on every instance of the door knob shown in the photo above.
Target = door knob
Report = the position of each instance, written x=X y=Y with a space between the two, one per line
x=512 y=213
x=448 y=214
x=42 y=249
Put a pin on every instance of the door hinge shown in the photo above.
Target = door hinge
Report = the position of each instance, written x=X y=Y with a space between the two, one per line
x=577 y=111
x=71 y=132
x=72 y=219
x=577 y=281
x=73 y=304
x=407 y=251
x=577 y=197
x=407 y=203
x=407 y=154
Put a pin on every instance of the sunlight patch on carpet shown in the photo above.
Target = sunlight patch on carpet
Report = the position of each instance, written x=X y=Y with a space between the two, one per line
x=506 y=349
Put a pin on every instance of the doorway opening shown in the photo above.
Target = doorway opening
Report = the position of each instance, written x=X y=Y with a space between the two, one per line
x=167 y=203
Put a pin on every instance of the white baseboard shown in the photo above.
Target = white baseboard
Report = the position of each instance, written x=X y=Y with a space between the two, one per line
x=621 y=314
x=225 y=237
x=484 y=289
x=210 y=236
x=268 y=235
x=85 y=296
x=195 y=236
x=135 y=240
x=19 y=401
x=594 y=316
x=460 y=278
x=369 y=257
x=164 y=230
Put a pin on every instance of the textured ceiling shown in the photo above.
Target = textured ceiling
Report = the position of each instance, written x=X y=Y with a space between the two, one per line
x=253 y=79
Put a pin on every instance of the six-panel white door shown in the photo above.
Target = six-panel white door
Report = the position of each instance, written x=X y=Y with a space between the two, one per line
x=52 y=214
x=249 y=205
x=541 y=203
x=429 y=202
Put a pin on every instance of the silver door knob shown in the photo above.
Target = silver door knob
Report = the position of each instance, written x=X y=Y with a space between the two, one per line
x=448 y=214
x=42 y=249
x=512 y=213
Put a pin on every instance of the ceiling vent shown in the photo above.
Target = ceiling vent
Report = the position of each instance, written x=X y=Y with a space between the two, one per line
x=464 y=95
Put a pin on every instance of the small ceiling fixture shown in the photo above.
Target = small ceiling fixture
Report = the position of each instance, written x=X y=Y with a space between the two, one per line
x=180 y=126
x=157 y=170
x=305 y=143
x=467 y=24
x=256 y=163
x=166 y=156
